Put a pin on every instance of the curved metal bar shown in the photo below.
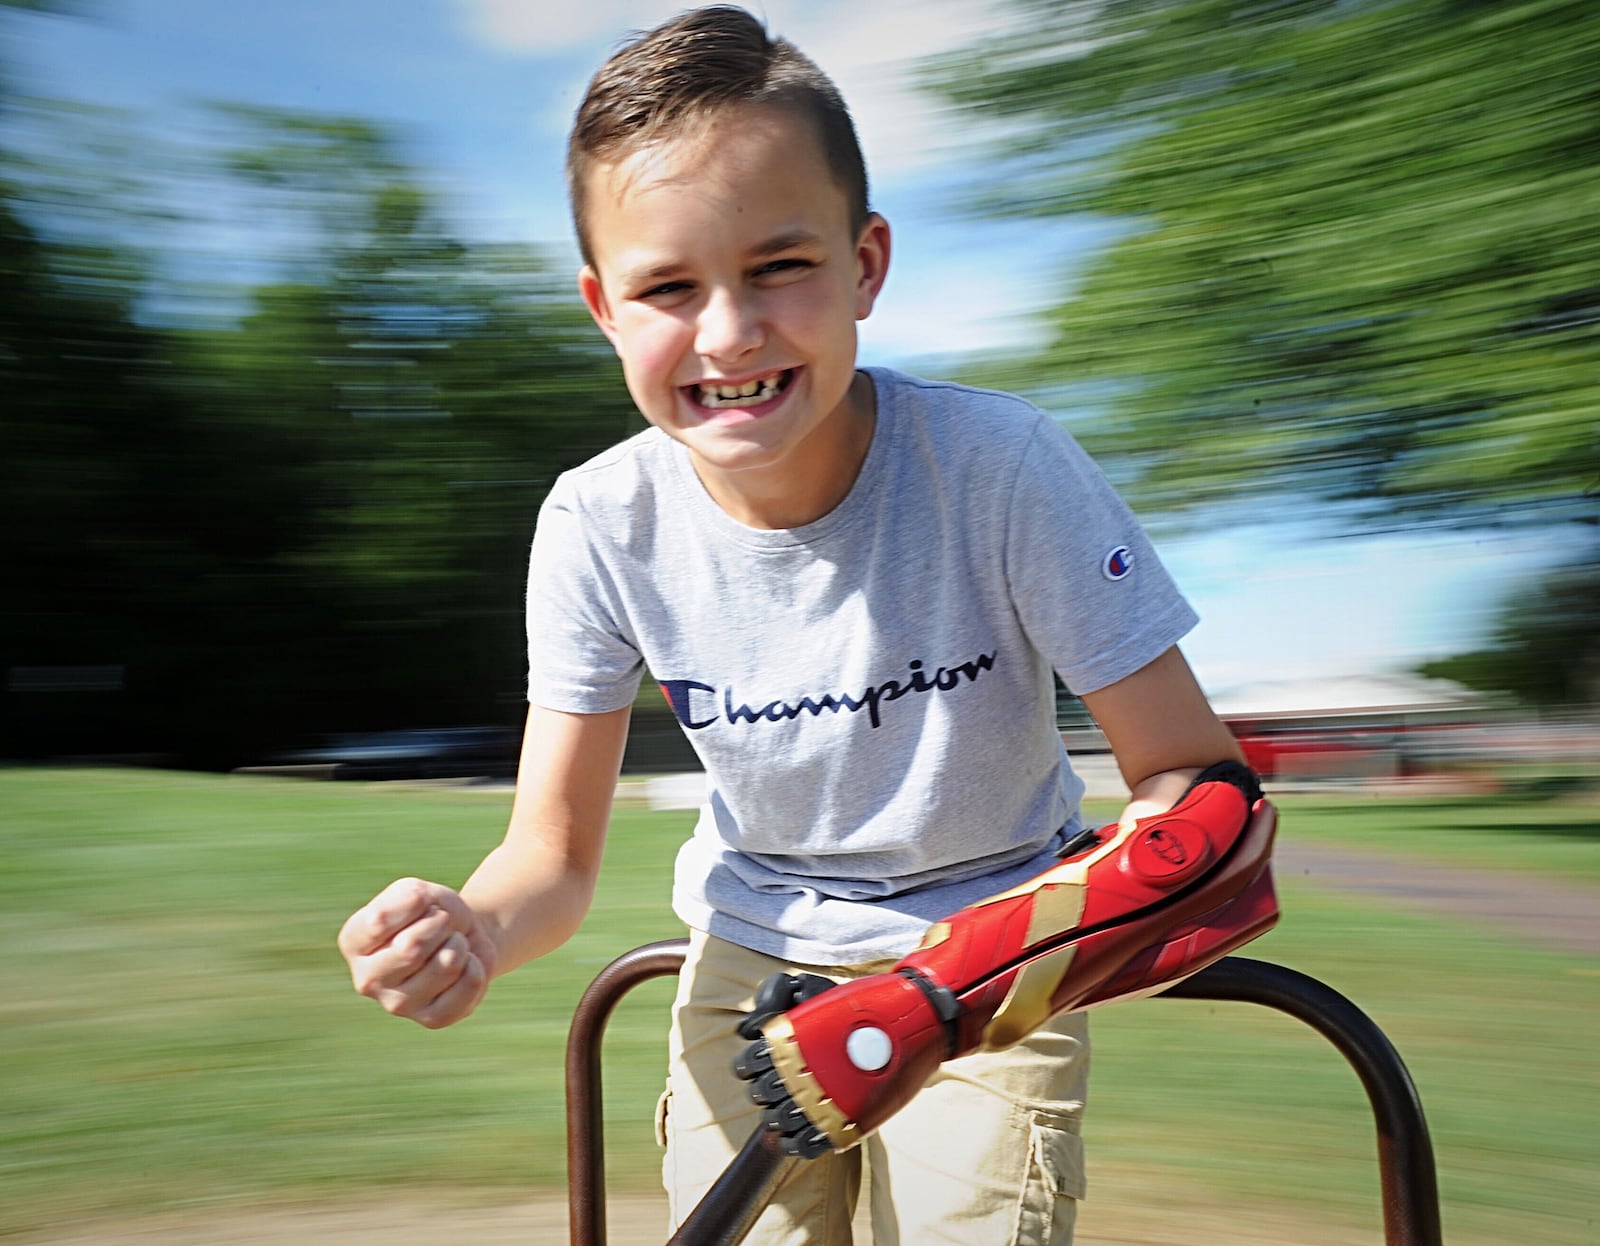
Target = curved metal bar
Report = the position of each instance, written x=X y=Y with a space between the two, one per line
x=586 y=1160
x=730 y=1207
x=728 y=1210
x=1405 y=1153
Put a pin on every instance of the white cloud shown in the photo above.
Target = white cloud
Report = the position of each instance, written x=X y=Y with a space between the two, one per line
x=868 y=47
x=552 y=26
x=869 y=50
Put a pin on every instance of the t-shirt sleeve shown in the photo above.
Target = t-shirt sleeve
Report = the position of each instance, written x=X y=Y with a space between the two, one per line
x=1086 y=582
x=582 y=658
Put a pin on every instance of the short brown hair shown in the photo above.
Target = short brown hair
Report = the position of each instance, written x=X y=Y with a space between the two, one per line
x=685 y=71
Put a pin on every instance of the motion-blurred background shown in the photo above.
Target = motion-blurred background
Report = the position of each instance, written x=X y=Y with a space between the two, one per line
x=290 y=351
x=291 y=347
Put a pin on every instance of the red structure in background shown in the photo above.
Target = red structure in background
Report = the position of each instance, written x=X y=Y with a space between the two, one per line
x=1324 y=750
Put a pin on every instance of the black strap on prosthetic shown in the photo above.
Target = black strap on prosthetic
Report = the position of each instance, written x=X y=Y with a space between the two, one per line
x=945 y=1005
x=1234 y=772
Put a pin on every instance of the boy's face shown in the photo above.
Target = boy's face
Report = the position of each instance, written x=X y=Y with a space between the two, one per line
x=728 y=279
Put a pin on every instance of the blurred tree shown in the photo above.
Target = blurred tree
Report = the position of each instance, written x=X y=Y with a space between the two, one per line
x=78 y=431
x=420 y=393
x=76 y=436
x=1544 y=651
x=1359 y=269
x=249 y=514
x=1357 y=275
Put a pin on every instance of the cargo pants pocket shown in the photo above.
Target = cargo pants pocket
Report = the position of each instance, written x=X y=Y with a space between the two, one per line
x=663 y=1107
x=1047 y=1209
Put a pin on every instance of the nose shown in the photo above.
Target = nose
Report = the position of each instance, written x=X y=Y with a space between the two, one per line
x=728 y=326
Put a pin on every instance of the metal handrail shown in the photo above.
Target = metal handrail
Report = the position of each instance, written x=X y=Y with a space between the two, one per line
x=586 y=1160
x=1405 y=1152
x=722 y=1218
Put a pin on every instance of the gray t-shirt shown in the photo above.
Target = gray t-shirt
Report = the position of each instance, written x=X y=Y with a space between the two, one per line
x=870 y=694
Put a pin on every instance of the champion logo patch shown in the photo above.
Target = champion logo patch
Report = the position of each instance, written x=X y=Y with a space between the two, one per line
x=1117 y=564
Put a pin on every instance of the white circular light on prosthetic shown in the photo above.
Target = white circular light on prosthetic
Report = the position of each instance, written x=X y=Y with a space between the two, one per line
x=869 y=1048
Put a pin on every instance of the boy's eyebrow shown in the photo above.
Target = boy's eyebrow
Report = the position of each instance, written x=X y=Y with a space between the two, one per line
x=786 y=240
x=774 y=245
x=649 y=272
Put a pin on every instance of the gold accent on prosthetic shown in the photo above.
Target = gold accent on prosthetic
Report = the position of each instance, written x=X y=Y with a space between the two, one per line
x=1056 y=908
x=934 y=935
x=803 y=1087
x=1027 y=1005
x=1075 y=871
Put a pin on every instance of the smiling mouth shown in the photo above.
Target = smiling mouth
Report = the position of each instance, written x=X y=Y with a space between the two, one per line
x=747 y=394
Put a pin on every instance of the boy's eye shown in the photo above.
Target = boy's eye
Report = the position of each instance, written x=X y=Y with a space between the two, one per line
x=665 y=289
x=790 y=264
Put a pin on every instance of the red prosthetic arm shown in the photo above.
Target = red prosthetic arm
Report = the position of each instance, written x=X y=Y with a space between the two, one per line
x=1127 y=911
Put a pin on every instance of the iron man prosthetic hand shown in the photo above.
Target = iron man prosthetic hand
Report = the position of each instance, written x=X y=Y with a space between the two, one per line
x=1127 y=911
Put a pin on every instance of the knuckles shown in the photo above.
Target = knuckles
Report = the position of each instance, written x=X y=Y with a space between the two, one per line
x=408 y=889
x=437 y=1017
x=424 y=971
x=404 y=895
x=455 y=968
x=452 y=957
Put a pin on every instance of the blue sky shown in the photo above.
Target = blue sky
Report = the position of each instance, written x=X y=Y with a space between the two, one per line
x=483 y=90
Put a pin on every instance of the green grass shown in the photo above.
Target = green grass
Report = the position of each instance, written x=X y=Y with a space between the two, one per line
x=1255 y=1105
x=179 y=1027
x=179 y=1030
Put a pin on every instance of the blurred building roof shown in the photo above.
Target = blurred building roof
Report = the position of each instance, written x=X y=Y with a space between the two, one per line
x=1349 y=694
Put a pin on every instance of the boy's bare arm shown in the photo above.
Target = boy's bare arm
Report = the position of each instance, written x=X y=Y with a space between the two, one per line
x=533 y=890
x=1162 y=731
x=428 y=952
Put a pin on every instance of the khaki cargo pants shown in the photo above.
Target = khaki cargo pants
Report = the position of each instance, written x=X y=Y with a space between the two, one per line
x=988 y=1154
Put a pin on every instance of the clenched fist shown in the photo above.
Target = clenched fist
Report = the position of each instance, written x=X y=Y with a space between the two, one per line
x=420 y=951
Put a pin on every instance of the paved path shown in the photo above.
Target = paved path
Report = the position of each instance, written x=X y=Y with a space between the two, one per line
x=1542 y=910
x=640 y=1220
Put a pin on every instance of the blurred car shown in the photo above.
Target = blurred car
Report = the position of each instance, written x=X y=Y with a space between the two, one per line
x=418 y=753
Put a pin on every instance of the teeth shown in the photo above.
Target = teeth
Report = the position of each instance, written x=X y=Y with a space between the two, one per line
x=748 y=394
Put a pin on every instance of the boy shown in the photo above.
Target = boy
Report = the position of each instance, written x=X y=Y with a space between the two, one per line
x=853 y=587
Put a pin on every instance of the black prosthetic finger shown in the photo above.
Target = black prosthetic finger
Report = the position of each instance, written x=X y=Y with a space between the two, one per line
x=753 y=1061
x=808 y=1144
x=787 y=1118
x=779 y=993
x=773 y=996
x=768 y=1089
x=810 y=985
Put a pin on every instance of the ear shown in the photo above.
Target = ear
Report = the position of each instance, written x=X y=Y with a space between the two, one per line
x=594 y=298
x=872 y=263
